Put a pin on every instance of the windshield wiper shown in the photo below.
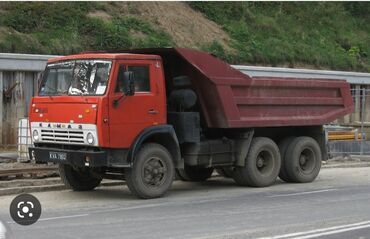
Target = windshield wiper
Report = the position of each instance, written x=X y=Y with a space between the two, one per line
x=62 y=92
x=50 y=88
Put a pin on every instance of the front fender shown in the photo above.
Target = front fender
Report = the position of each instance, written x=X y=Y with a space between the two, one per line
x=161 y=134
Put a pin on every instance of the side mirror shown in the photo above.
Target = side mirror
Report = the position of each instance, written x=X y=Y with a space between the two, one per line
x=128 y=83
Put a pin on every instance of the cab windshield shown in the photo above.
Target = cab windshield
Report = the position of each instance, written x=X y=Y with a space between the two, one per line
x=79 y=77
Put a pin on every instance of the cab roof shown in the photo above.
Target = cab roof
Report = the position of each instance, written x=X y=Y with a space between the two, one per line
x=104 y=55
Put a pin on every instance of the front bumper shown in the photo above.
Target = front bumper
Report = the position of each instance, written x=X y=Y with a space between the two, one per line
x=72 y=157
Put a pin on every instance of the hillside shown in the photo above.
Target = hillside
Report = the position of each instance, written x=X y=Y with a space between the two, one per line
x=323 y=35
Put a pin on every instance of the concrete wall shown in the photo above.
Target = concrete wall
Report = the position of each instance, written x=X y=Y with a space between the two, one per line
x=19 y=74
x=15 y=104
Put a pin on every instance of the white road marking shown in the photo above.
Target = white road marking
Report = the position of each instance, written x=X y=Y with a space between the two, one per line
x=61 y=217
x=323 y=231
x=125 y=208
x=132 y=207
x=167 y=203
x=334 y=232
x=303 y=193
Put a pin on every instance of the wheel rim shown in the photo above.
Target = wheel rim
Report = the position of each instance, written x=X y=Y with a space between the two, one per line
x=307 y=161
x=265 y=162
x=154 y=172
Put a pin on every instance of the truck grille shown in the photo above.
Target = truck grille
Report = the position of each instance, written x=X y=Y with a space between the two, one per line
x=62 y=136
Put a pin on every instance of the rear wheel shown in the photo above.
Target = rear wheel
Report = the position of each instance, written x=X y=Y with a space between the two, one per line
x=283 y=146
x=262 y=164
x=195 y=174
x=152 y=173
x=78 y=179
x=303 y=160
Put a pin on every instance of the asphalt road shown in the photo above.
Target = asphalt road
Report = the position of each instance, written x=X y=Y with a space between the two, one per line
x=336 y=205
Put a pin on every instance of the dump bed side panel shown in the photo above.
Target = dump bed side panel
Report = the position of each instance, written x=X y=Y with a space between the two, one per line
x=231 y=99
x=235 y=100
x=290 y=101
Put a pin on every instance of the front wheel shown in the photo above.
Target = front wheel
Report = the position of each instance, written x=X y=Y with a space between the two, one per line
x=78 y=179
x=152 y=173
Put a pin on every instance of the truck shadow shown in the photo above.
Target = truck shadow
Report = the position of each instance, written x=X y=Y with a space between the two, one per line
x=179 y=188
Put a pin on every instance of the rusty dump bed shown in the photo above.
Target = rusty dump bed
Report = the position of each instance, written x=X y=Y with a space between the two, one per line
x=231 y=99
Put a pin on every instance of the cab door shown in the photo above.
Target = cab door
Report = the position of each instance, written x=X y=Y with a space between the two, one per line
x=132 y=114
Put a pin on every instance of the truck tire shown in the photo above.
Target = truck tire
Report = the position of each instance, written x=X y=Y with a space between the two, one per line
x=303 y=160
x=195 y=174
x=78 y=180
x=283 y=146
x=226 y=172
x=152 y=173
x=262 y=164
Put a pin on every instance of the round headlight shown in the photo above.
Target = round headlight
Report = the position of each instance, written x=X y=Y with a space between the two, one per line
x=90 y=138
x=35 y=135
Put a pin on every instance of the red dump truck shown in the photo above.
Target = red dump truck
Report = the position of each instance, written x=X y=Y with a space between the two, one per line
x=145 y=115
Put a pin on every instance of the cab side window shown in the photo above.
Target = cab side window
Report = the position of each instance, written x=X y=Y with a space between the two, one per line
x=141 y=77
x=121 y=71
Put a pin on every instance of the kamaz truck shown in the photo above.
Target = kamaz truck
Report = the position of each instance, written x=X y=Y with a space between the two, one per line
x=145 y=115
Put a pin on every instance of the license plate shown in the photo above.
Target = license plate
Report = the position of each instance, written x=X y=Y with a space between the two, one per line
x=58 y=156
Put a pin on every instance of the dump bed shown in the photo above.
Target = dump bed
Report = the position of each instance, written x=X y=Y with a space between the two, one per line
x=231 y=99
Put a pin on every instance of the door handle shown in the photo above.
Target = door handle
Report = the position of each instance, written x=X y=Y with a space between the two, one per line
x=153 y=112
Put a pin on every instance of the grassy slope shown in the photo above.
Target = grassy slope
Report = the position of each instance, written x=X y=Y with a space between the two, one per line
x=65 y=28
x=321 y=35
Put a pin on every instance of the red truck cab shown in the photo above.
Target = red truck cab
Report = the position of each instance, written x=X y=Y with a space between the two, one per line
x=83 y=117
x=144 y=115
x=90 y=103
